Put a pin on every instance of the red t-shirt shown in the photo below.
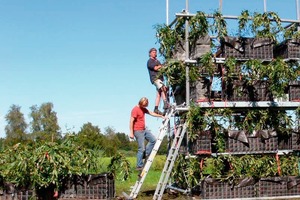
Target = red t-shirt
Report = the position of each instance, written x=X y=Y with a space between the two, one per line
x=138 y=113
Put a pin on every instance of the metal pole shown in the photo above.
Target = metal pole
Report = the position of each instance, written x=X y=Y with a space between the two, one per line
x=220 y=5
x=167 y=12
x=187 y=70
x=297 y=9
x=265 y=5
x=298 y=14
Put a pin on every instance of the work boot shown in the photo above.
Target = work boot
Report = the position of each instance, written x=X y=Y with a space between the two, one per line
x=158 y=112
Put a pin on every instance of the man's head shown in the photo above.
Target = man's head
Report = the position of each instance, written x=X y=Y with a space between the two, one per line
x=143 y=102
x=152 y=52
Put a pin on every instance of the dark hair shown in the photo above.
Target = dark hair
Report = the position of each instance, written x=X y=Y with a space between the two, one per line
x=152 y=49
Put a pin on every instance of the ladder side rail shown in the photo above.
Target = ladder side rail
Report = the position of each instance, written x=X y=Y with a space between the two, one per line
x=166 y=163
x=164 y=184
x=171 y=158
x=163 y=130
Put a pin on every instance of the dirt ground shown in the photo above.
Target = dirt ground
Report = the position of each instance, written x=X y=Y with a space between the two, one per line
x=147 y=195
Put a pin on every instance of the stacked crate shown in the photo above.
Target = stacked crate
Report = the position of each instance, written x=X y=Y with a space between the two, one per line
x=242 y=48
x=99 y=186
x=263 y=188
x=288 y=49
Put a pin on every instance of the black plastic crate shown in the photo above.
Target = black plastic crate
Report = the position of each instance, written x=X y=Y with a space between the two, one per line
x=200 y=90
x=285 y=142
x=202 y=145
x=217 y=189
x=254 y=145
x=198 y=48
x=247 y=48
x=288 y=49
x=242 y=91
x=270 y=187
x=293 y=186
x=296 y=141
x=100 y=186
x=294 y=91
x=19 y=195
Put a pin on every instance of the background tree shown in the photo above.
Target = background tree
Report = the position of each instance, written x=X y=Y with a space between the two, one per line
x=112 y=145
x=2 y=140
x=90 y=136
x=124 y=140
x=44 y=123
x=16 y=126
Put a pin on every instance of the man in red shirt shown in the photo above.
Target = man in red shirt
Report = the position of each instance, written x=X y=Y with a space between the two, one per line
x=138 y=130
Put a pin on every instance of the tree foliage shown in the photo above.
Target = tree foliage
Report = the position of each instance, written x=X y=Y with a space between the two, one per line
x=16 y=126
x=44 y=124
x=90 y=136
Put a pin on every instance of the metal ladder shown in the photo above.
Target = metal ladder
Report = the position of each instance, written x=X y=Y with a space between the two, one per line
x=163 y=130
x=172 y=155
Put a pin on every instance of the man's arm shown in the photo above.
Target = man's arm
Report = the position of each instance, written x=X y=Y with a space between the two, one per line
x=152 y=65
x=131 y=135
x=155 y=114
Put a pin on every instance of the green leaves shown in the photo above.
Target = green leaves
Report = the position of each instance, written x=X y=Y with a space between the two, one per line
x=120 y=167
x=255 y=166
x=41 y=165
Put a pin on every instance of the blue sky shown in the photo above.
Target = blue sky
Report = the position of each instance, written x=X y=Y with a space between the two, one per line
x=88 y=57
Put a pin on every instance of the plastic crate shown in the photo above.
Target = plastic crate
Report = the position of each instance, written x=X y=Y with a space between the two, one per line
x=288 y=49
x=203 y=143
x=20 y=195
x=198 y=48
x=270 y=187
x=293 y=186
x=294 y=91
x=199 y=90
x=100 y=186
x=217 y=189
x=241 y=91
x=285 y=142
x=247 y=48
x=296 y=141
x=254 y=145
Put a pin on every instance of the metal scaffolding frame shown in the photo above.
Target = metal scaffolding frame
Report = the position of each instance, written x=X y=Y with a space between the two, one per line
x=185 y=13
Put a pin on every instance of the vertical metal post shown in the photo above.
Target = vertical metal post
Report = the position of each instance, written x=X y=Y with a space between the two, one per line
x=167 y=12
x=265 y=5
x=298 y=14
x=297 y=9
x=220 y=6
x=187 y=70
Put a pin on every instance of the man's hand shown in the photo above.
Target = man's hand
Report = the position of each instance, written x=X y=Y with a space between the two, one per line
x=131 y=136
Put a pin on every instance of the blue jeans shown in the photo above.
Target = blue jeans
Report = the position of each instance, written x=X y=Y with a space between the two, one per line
x=140 y=137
